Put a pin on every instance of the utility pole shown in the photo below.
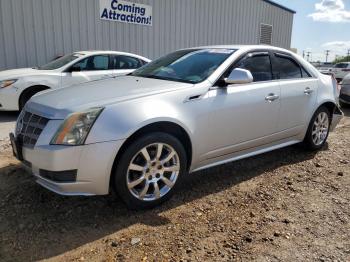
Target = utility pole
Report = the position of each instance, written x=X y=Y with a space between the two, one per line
x=348 y=56
x=327 y=54
x=308 y=56
x=304 y=53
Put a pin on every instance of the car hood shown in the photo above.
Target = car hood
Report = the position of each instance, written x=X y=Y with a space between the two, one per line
x=16 y=73
x=58 y=103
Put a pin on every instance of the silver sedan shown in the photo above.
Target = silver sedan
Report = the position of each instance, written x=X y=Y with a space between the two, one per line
x=192 y=109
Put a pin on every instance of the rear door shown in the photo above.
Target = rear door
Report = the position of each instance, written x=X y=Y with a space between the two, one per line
x=91 y=68
x=298 y=94
x=123 y=64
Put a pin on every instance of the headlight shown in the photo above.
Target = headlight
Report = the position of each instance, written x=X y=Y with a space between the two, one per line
x=7 y=83
x=76 y=127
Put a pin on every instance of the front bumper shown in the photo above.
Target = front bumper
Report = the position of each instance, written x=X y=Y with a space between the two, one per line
x=345 y=94
x=9 y=99
x=92 y=163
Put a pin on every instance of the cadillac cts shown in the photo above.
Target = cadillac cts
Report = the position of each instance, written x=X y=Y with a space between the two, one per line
x=189 y=110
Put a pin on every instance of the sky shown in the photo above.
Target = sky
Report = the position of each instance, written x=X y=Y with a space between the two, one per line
x=320 y=25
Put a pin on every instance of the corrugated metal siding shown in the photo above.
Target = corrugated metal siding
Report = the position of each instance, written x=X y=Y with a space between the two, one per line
x=33 y=32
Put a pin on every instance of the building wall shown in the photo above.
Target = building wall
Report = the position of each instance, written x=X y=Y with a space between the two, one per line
x=33 y=32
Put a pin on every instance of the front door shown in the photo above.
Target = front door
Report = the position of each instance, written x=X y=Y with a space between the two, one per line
x=91 y=68
x=244 y=116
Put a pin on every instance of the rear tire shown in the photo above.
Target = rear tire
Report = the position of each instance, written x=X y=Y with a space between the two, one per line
x=318 y=129
x=149 y=171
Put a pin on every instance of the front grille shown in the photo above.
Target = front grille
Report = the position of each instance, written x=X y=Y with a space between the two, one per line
x=29 y=127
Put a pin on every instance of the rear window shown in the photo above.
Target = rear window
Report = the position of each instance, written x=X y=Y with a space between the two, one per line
x=342 y=65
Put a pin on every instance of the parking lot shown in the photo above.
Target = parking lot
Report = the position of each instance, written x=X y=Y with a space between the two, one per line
x=7 y=123
x=284 y=205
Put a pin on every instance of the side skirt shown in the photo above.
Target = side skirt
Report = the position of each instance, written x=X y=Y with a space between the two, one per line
x=244 y=154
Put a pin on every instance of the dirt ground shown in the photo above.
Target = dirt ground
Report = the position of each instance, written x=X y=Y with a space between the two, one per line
x=286 y=205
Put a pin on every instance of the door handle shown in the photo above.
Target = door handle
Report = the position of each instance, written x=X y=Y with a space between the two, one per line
x=271 y=97
x=308 y=91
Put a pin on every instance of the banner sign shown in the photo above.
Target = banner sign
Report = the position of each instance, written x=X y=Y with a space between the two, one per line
x=126 y=12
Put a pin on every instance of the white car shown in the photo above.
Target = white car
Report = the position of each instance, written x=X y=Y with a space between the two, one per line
x=19 y=85
x=340 y=70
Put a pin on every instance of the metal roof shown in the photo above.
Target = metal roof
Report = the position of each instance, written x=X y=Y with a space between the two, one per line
x=280 y=6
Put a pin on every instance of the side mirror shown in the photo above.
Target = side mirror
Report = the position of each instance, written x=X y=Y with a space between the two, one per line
x=75 y=68
x=239 y=76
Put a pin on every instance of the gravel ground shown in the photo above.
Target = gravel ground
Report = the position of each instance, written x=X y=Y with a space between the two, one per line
x=7 y=123
x=286 y=205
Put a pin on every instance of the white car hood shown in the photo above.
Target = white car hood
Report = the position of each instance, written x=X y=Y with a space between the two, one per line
x=58 y=103
x=17 y=73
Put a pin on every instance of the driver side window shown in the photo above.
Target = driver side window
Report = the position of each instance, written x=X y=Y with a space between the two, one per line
x=94 y=63
x=258 y=65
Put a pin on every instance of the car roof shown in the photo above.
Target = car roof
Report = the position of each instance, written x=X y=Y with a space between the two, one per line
x=243 y=47
x=101 y=52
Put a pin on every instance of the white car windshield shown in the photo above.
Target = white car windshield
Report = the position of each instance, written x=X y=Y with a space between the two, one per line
x=189 y=66
x=59 y=62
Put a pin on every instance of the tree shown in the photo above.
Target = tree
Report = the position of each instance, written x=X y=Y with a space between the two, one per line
x=341 y=59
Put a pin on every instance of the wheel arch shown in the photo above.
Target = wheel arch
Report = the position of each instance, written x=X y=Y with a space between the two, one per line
x=32 y=88
x=330 y=105
x=162 y=126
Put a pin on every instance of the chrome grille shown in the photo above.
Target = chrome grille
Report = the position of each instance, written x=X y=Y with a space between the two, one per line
x=29 y=127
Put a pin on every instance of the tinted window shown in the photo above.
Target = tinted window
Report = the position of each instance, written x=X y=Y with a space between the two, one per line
x=126 y=62
x=287 y=68
x=189 y=66
x=304 y=73
x=94 y=63
x=258 y=65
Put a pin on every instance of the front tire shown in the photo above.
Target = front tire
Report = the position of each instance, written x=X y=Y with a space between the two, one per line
x=318 y=129
x=150 y=170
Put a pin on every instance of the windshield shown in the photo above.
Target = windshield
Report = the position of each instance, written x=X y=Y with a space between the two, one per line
x=58 y=63
x=189 y=66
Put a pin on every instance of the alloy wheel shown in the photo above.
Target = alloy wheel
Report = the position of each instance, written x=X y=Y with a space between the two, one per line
x=153 y=171
x=320 y=128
